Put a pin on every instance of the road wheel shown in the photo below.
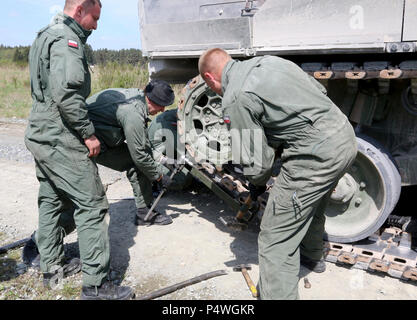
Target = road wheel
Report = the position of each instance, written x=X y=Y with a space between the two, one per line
x=365 y=196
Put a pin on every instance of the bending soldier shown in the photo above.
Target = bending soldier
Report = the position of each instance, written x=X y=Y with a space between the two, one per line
x=119 y=115
x=122 y=114
x=284 y=108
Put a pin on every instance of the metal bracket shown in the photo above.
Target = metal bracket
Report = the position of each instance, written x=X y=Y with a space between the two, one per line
x=249 y=8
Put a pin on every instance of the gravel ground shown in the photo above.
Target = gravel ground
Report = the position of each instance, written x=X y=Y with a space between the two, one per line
x=148 y=258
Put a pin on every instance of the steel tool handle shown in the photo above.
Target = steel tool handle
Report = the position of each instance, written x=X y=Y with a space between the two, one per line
x=174 y=172
x=13 y=245
x=181 y=285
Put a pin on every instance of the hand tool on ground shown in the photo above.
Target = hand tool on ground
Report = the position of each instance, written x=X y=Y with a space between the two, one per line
x=13 y=245
x=150 y=213
x=186 y=283
x=240 y=221
x=307 y=283
x=244 y=269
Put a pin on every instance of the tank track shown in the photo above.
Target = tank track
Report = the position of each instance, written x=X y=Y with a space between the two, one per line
x=381 y=71
x=389 y=251
x=361 y=71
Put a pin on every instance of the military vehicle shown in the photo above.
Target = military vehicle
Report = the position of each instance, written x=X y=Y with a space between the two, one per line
x=362 y=51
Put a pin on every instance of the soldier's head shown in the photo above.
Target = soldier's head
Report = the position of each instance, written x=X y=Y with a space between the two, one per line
x=211 y=65
x=158 y=95
x=85 y=12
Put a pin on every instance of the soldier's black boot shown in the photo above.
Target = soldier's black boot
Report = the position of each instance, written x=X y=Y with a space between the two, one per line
x=317 y=266
x=30 y=254
x=52 y=279
x=107 y=291
x=156 y=217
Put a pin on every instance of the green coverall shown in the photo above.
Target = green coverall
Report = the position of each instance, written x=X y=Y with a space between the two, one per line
x=57 y=127
x=121 y=115
x=285 y=107
x=162 y=133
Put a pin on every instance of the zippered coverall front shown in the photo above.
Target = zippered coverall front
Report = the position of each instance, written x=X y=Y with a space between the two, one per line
x=57 y=127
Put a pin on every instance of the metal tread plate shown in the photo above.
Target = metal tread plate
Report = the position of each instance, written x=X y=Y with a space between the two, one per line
x=388 y=251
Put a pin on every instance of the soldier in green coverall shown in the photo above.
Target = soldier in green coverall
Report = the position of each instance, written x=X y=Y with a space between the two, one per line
x=283 y=107
x=120 y=118
x=122 y=114
x=62 y=140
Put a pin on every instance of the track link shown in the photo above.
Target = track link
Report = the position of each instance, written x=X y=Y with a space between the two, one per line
x=387 y=251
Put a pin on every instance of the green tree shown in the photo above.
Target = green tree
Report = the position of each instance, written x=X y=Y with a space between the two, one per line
x=89 y=54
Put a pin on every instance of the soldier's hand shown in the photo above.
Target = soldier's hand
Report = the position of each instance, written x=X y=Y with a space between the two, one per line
x=256 y=191
x=93 y=145
x=165 y=181
x=163 y=160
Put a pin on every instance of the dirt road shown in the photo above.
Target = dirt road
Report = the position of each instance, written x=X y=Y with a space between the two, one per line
x=149 y=258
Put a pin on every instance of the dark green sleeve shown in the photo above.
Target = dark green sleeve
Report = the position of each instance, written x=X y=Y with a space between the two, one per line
x=250 y=145
x=138 y=143
x=68 y=86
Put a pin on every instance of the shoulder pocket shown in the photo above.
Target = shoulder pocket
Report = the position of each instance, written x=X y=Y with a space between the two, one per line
x=75 y=69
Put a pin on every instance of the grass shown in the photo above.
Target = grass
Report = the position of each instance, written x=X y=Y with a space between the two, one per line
x=114 y=75
x=28 y=285
x=16 y=101
x=19 y=283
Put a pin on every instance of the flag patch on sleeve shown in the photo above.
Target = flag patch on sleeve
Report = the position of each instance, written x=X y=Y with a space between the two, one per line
x=226 y=120
x=73 y=44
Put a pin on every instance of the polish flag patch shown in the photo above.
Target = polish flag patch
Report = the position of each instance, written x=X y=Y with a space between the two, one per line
x=73 y=44
x=226 y=119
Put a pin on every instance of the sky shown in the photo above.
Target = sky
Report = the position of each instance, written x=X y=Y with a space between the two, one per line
x=118 y=27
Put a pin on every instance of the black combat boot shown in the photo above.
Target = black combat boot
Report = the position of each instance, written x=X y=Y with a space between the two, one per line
x=107 y=291
x=156 y=217
x=51 y=279
x=30 y=254
x=317 y=266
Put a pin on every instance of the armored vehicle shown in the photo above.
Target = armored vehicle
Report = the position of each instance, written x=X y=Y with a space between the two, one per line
x=362 y=51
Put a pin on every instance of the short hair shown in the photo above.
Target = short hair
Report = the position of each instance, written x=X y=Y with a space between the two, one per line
x=91 y=3
x=70 y=4
x=213 y=60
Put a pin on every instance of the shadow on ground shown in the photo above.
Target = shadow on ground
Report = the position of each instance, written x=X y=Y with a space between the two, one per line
x=210 y=207
x=122 y=232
